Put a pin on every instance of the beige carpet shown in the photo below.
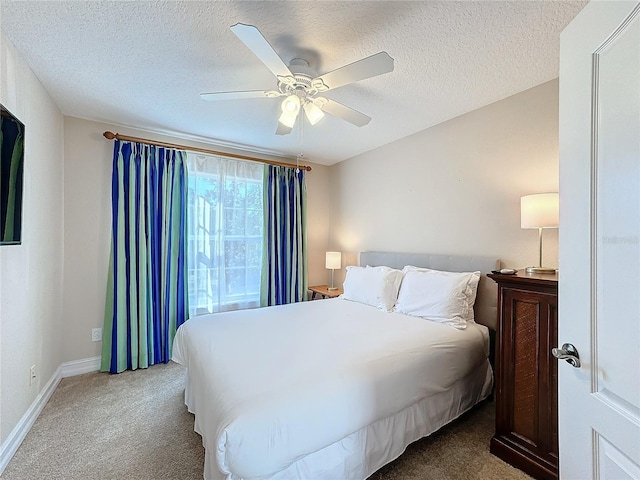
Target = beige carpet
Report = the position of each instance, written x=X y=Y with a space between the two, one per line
x=135 y=426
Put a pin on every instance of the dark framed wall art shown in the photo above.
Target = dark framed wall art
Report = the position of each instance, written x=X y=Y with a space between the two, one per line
x=11 y=178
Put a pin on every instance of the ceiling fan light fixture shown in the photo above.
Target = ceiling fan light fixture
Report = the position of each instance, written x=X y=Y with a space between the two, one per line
x=313 y=113
x=291 y=105
x=290 y=109
x=288 y=119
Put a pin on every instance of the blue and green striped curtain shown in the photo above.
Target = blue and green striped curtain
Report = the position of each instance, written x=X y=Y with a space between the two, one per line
x=284 y=253
x=146 y=291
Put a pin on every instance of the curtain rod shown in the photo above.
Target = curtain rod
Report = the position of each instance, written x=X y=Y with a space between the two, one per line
x=117 y=136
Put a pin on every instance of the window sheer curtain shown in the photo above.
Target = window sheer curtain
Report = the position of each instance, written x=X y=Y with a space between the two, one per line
x=146 y=290
x=284 y=257
x=225 y=224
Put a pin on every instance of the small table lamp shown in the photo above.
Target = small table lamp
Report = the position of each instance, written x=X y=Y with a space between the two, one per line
x=333 y=261
x=539 y=211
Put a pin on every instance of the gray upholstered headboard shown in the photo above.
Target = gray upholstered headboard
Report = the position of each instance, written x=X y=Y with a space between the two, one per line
x=486 y=300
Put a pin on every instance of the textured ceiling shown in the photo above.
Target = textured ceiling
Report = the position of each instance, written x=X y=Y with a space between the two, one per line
x=144 y=64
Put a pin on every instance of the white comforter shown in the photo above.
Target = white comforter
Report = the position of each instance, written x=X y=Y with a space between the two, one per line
x=269 y=386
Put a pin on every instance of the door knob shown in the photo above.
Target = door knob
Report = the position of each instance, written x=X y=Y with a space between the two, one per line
x=569 y=353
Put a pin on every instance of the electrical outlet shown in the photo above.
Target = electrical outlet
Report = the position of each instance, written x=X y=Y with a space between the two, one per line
x=32 y=374
x=96 y=335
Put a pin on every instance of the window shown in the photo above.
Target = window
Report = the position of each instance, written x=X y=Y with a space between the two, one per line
x=225 y=224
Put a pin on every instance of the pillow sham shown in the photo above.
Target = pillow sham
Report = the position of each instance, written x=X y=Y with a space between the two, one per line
x=472 y=291
x=375 y=286
x=445 y=297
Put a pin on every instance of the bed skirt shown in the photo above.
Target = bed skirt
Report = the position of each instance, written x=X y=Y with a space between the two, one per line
x=365 y=451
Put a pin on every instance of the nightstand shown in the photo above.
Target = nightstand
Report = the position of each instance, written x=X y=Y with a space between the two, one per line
x=527 y=373
x=324 y=292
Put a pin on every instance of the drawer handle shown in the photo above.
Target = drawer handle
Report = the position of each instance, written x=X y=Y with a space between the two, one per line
x=569 y=353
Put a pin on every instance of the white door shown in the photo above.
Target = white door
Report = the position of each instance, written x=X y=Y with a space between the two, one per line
x=599 y=275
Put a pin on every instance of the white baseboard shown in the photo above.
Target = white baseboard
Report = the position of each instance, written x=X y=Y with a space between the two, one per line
x=78 y=367
x=15 y=438
x=17 y=435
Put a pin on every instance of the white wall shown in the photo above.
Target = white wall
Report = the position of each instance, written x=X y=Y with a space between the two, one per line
x=31 y=273
x=318 y=218
x=88 y=159
x=454 y=188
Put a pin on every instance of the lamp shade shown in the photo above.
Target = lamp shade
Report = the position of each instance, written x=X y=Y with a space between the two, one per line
x=539 y=211
x=290 y=107
x=291 y=104
x=314 y=114
x=333 y=260
x=288 y=119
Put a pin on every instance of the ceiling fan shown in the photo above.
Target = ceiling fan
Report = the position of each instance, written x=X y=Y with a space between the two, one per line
x=301 y=86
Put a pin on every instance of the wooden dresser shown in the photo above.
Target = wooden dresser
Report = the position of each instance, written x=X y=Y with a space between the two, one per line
x=527 y=374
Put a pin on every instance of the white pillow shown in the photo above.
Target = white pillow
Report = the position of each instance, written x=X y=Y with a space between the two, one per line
x=445 y=297
x=472 y=285
x=375 y=286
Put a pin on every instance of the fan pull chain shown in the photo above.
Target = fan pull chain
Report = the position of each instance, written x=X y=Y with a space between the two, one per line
x=300 y=133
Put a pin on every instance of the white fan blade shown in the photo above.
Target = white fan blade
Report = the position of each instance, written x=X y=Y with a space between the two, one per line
x=346 y=113
x=283 y=129
x=252 y=38
x=362 y=69
x=239 y=95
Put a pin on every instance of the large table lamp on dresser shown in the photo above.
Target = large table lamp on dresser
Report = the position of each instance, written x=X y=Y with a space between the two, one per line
x=540 y=211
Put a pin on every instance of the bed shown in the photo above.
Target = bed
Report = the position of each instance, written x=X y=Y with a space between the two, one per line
x=331 y=389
